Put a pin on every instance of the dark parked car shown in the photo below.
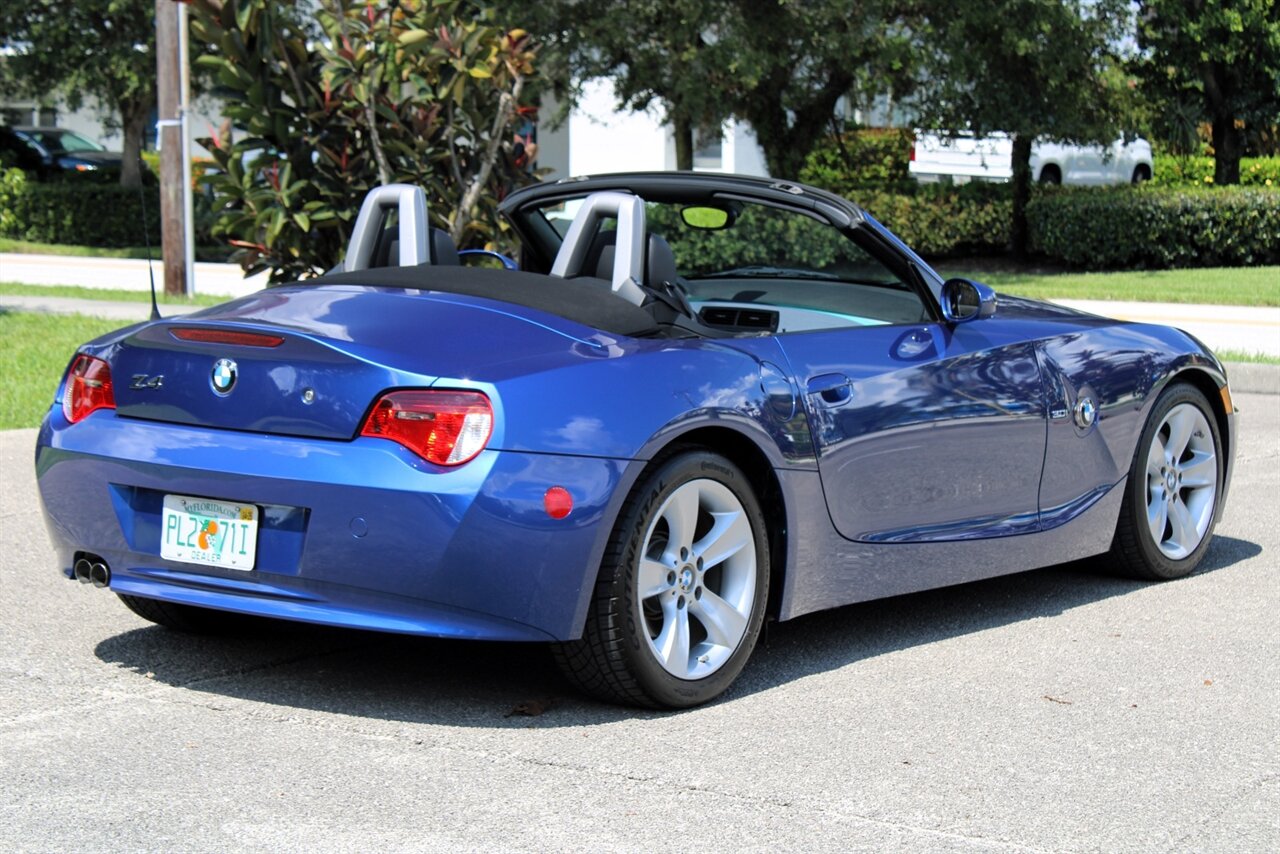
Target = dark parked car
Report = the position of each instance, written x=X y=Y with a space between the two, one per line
x=56 y=151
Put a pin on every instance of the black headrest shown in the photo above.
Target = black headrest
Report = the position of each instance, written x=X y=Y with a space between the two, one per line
x=386 y=252
x=659 y=262
x=598 y=261
x=443 y=251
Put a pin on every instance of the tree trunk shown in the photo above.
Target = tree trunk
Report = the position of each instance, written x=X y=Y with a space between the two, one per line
x=1227 y=140
x=779 y=156
x=1226 y=151
x=787 y=136
x=683 y=130
x=133 y=123
x=1021 y=194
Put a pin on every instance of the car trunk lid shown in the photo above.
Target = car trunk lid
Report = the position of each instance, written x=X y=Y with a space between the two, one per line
x=310 y=361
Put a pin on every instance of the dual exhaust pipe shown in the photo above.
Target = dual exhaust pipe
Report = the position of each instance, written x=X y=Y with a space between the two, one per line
x=92 y=570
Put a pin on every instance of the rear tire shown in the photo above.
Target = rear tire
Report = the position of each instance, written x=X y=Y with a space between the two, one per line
x=1141 y=174
x=680 y=598
x=1051 y=175
x=1171 y=497
x=191 y=619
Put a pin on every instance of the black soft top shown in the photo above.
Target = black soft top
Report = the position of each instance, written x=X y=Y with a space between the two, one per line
x=588 y=301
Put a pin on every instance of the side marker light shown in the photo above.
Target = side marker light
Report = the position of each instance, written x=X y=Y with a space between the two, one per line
x=558 y=501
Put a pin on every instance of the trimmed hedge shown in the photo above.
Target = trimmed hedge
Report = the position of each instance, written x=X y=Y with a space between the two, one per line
x=105 y=215
x=860 y=159
x=1198 y=171
x=940 y=219
x=1153 y=227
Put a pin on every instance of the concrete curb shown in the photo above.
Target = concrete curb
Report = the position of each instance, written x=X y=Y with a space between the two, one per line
x=1253 y=378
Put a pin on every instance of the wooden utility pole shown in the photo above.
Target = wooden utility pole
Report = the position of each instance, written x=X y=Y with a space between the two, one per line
x=169 y=138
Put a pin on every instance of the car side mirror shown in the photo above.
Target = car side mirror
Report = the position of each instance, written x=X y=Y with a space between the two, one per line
x=964 y=300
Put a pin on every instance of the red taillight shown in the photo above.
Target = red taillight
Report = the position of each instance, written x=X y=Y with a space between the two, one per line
x=227 y=336
x=88 y=388
x=447 y=428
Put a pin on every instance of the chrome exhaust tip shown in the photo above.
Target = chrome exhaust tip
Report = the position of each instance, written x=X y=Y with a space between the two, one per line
x=83 y=571
x=99 y=575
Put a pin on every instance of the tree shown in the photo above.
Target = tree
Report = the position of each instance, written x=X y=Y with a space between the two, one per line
x=653 y=51
x=794 y=60
x=779 y=65
x=1221 y=58
x=332 y=98
x=1028 y=68
x=88 y=49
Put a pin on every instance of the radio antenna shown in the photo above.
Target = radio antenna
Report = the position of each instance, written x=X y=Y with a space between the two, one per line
x=146 y=239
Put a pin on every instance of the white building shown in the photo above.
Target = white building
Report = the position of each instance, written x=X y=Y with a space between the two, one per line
x=597 y=138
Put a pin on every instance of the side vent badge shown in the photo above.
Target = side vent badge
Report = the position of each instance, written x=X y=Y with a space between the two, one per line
x=1086 y=413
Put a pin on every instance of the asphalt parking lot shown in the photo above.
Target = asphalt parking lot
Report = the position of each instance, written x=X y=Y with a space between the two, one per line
x=1059 y=710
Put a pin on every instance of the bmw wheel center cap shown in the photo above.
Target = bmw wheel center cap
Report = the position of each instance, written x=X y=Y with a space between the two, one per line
x=223 y=376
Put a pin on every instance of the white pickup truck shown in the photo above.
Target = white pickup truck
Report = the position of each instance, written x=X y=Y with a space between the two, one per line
x=990 y=159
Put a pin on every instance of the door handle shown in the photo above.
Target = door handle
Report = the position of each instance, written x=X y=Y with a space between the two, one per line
x=832 y=388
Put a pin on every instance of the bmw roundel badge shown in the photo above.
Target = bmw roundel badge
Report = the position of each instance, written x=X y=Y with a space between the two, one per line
x=223 y=376
x=1086 y=412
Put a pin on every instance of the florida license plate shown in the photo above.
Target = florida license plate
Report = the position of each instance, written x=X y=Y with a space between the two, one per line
x=209 y=532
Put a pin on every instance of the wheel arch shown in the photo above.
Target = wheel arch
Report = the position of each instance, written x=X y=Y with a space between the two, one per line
x=757 y=464
x=743 y=452
x=1216 y=392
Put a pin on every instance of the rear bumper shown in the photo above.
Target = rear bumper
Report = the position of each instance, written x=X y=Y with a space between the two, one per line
x=360 y=534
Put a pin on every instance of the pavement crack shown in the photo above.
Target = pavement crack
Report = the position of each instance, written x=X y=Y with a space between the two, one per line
x=1210 y=819
x=265 y=665
x=258 y=709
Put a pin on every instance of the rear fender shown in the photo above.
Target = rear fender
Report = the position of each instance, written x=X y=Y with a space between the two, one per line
x=1123 y=368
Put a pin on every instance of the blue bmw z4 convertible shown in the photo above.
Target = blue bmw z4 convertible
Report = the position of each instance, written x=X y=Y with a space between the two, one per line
x=701 y=402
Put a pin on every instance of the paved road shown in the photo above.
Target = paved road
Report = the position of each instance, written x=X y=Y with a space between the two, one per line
x=1052 y=711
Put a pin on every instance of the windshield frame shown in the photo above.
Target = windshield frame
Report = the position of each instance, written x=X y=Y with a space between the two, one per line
x=540 y=240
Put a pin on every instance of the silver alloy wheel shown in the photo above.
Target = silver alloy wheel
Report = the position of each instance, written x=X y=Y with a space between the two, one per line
x=697 y=579
x=1182 y=481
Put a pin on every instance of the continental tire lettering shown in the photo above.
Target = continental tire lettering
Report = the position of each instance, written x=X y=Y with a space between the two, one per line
x=632 y=635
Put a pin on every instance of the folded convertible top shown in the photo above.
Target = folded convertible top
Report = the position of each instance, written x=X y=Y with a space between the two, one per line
x=584 y=300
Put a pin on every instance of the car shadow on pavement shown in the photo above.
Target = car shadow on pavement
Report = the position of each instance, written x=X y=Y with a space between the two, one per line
x=497 y=685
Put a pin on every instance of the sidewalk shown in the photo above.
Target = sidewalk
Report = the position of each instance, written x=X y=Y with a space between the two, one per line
x=1223 y=327
x=1240 y=328
x=130 y=312
x=128 y=274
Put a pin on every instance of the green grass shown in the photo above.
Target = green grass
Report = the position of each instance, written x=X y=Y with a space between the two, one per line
x=78 y=292
x=1253 y=286
x=1244 y=356
x=28 y=247
x=35 y=350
